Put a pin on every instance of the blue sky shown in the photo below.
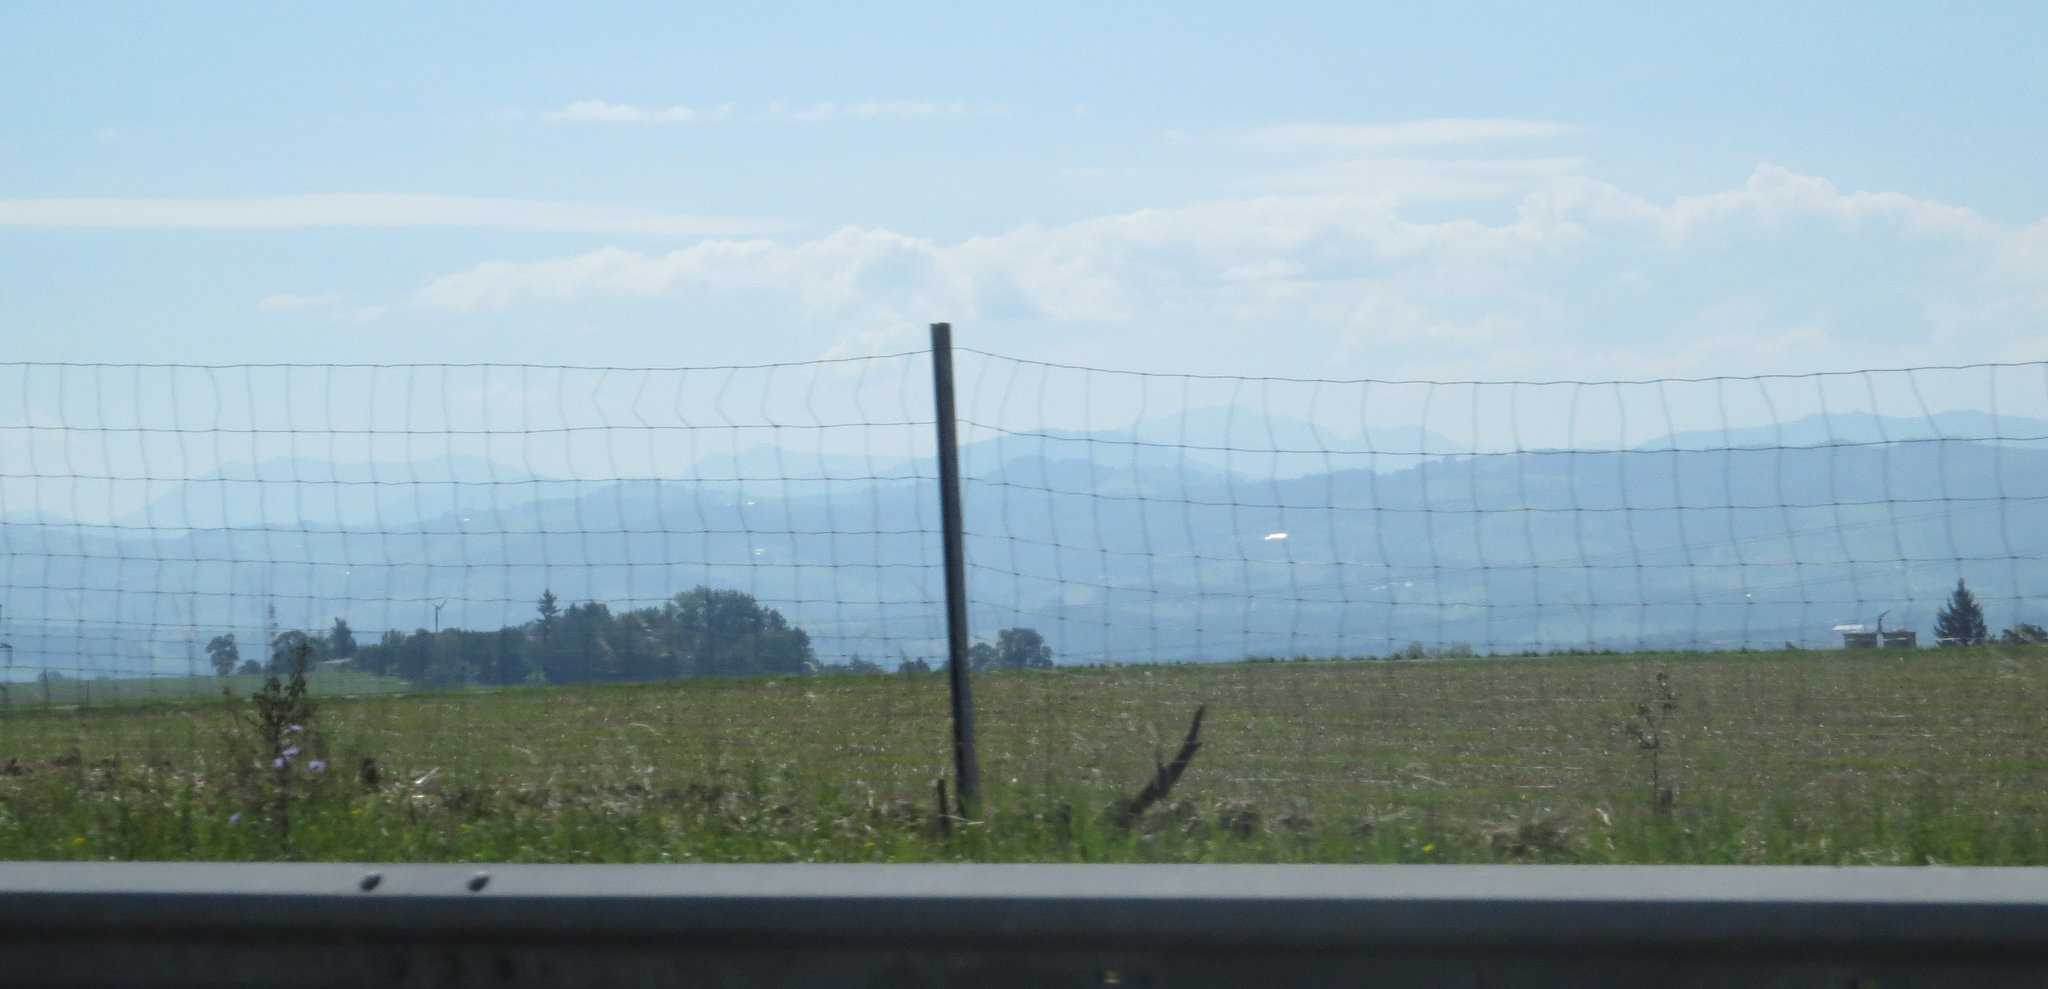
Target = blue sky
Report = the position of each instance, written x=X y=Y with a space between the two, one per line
x=1399 y=191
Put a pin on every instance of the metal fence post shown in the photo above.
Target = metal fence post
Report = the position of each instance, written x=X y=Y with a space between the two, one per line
x=966 y=770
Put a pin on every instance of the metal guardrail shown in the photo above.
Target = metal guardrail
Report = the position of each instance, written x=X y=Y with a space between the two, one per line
x=1018 y=925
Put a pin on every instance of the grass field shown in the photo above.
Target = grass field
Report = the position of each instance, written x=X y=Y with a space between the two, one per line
x=66 y=693
x=1806 y=757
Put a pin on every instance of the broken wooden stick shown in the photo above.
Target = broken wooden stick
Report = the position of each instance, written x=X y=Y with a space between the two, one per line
x=1125 y=813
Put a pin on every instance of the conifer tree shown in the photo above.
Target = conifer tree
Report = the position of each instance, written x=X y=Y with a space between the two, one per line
x=1961 y=623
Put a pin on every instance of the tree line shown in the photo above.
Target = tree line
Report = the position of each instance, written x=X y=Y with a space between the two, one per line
x=701 y=632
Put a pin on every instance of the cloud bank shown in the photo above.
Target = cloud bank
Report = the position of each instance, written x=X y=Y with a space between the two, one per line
x=1783 y=273
x=601 y=112
x=1404 y=134
x=368 y=210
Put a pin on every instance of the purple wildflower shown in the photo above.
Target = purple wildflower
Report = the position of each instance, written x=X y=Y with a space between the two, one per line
x=235 y=818
x=294 y=750
x=277 y=763
x=317 y=765
x=294 y=729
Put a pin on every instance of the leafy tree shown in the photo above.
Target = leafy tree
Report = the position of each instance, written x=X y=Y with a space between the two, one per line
x=411 y=654
x=1014 y=649
x=1961 y=623
x=578 y=650
x=342 y=640
x=637 y=649
x=285 y=648
x=224 y=653
x=728 y=633
x=378 y=657
x=452 y=656
x=1023 y=649
x=2024 y=634
x=508 y=658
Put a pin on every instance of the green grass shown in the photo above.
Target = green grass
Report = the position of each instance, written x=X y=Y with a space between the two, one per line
x=64 y=693
x=1811 y=757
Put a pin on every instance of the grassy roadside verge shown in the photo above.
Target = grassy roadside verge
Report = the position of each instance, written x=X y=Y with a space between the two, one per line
x=1848 y=758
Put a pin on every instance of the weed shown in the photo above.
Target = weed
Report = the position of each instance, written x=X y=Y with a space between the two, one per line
x=273 y=746
x=1651 y=729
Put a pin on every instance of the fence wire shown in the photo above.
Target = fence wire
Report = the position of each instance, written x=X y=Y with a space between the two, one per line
x=150 y=512
x=407 y=521
x=1144 y=517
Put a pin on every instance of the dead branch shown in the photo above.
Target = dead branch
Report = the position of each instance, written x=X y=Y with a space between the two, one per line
x=1125 y=813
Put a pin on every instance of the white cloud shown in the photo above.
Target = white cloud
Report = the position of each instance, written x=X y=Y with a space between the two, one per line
x=1403 y=135
x=832 y=270
x=287 y=301
x=868 y=109
x=1783 y=273
x=1110 y=268
x=368 y=210
x=1410 y=159
x=600 y=112
x=1423 y=179
x=1771 y=196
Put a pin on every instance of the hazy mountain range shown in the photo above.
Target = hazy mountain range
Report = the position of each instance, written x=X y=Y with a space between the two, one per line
x=1853 y=428
x=1209 y=536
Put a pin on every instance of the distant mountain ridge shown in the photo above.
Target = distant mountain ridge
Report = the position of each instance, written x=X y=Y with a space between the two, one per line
x=319 y=493
x=1114 y=555
x=1221 y=441
x=1863 y=428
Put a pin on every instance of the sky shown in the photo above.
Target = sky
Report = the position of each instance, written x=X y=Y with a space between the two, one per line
x=1447 y=191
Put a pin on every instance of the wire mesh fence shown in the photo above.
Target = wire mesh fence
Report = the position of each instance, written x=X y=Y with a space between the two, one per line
x=166 y=521
x=718 y=541
x=1163 y=517
x=491 y=524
